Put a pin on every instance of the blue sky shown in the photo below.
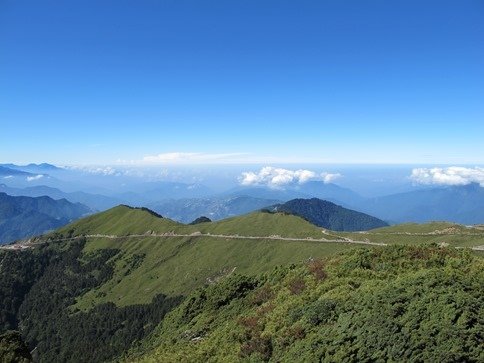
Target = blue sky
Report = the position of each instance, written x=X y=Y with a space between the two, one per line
x=100 y=82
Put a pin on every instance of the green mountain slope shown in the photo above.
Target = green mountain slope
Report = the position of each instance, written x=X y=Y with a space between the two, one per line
x=120 y=220
x=395 y=304
x=124 y=220
x=88 y=291
x=195 y=254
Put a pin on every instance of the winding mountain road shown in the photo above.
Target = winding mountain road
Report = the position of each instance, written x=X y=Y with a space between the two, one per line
x=345 y=240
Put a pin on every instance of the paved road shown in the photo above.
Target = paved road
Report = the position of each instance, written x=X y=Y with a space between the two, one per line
x=339 y=239
x=345 y=240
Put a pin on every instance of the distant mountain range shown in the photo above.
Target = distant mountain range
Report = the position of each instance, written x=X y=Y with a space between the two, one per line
x=187 y=201
x=460 y=204
x=329 y=215
x=162 y=191
x=8 y=172
x=94 y=201
x=312 y=189
x=33 y=168
x=22 y=217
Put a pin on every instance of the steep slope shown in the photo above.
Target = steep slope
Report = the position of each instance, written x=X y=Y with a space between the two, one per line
x=329 y=215
x=22 y=217
x=394 y=304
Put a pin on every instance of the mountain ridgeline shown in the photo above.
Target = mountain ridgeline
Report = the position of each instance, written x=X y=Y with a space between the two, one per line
x=329 y=215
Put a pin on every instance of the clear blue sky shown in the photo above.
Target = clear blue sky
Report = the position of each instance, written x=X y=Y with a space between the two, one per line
x=337 y=81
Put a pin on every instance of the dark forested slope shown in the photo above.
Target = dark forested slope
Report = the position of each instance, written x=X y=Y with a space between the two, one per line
x=329 y=215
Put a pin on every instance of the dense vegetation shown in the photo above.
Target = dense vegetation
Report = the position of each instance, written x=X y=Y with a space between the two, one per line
x=13 y=349
x=38 y=292
x=201 y=219
x=22 y=217
x=329 y=215
x=392 y=304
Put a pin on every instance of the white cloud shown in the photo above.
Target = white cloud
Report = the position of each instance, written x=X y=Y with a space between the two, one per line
x=36 y=177
x=8 y=177
x=454 y=175
x=103 y=171
x=189 y=157
x=329 y=177
x=279 y=177
x=98 y=170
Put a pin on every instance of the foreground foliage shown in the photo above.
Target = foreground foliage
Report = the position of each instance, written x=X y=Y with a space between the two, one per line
x=391 y=304
x=13 y=349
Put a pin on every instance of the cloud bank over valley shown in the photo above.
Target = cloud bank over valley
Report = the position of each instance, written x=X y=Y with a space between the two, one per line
x=454 y=175
x=280 y=177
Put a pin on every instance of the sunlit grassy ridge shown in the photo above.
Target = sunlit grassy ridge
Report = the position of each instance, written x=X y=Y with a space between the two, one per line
x=177 y=265
x=123 y=220
x=120 y=220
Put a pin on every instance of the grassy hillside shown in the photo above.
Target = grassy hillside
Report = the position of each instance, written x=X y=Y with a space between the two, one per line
x=392 y=304
x=124 y=220
x=120 y=220
x=264 y=224
x=86 y=292
x=176 y=265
